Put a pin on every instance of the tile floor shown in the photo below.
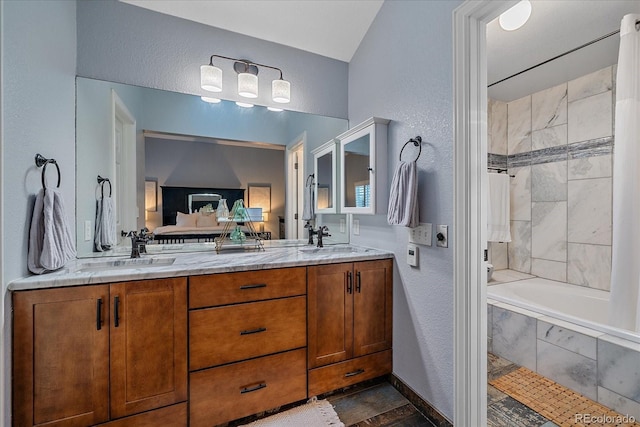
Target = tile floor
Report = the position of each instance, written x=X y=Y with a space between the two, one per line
x=379 y=405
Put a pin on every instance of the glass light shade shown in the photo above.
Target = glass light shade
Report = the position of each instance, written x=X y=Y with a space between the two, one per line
x=244 y=104
x=281 y=91
x=248 y=85
x=516 y=17
x=276 y=109
x=211 y=78
x=210 y=100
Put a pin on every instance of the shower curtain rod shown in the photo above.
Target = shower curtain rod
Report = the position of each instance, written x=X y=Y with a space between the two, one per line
x=561 y=55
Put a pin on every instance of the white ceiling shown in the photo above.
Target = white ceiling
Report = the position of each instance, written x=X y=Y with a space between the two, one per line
x=329 y=28
x=555 y=27
x=335 y=28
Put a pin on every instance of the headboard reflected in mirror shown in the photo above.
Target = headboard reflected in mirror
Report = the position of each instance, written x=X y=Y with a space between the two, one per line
x=176 y=199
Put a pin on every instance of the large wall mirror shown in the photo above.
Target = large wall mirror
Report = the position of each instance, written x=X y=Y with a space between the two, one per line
x=144 y=140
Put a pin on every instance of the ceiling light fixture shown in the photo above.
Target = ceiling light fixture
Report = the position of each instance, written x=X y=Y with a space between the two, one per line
x=516 y=17
x=211 y=79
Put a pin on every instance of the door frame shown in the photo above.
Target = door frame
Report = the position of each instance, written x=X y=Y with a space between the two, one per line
x=120 y=112
x=295 y=186
x=470 y=165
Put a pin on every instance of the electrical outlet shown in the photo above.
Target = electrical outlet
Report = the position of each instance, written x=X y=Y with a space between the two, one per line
x=421 y=235
x=442 y=236
x=356 y=227
x=88 y=231
x=343 y=225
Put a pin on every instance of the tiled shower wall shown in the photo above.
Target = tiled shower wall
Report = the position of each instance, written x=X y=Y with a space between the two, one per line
x=558 y=145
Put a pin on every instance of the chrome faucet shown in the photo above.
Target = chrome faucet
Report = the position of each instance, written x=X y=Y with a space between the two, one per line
x=139 y=241
x=323 y=231
x=311 y=232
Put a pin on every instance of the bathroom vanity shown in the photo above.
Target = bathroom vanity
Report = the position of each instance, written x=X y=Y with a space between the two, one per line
x=200 y=341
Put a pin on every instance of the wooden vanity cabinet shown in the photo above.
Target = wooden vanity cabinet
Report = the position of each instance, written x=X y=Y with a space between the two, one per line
x=89 y=354
x=349 y=323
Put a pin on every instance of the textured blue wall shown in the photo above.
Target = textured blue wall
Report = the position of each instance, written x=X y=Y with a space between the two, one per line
x=38 y=116
x=127 y=44
x=403 y=71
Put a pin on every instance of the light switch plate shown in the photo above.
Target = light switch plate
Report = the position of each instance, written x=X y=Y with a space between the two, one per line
x=87 y=230
x=412 y=255
x=421 y=234
x=343 y=225
x=356 y=227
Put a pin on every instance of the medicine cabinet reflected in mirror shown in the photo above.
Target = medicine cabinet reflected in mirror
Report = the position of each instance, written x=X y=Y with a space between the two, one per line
x=187 y=118
x=363 y=168
x=325 y=171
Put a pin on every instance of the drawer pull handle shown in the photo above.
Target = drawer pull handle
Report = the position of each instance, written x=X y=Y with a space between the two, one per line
x=349 y=283
x=256 y=286
x=253 y=331
x=99 y=314
x=358 y=282
x=254 y=388
x=354 y=373
x=116 y=311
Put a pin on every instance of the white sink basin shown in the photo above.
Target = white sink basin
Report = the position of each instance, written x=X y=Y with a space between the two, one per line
x=121 y=264
x=334 y=250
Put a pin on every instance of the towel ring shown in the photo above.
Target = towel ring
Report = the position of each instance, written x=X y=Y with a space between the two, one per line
x=43 y=161
x=101 y=181
x=417 y=141
x=307 y=183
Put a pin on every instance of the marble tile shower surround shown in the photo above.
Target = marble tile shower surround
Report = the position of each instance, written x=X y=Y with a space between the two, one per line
x=600 y=366
x=558 y=144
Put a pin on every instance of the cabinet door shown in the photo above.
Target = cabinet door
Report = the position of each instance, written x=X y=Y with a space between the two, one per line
x=357 y=172
x=148 y=345
x=372 y=301
x=61 y=356
x=330 y=321
x=325 y=160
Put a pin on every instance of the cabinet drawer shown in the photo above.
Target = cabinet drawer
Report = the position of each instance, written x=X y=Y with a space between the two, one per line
x=232 y=288
x=226 y=393
x=170 y=416
x=228 y=334
x=343 y=374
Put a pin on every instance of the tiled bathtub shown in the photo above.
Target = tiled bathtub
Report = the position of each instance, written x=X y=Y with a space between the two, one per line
x=581 y=354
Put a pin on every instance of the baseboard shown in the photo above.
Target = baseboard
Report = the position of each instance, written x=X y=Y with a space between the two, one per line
x=421 y=405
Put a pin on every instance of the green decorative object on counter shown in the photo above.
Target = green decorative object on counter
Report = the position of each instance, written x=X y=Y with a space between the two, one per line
x=237 y=236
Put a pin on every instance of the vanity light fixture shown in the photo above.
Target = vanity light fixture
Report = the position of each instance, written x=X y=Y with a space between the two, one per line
x=244 y=104
x=516 y=17
x=276 y=109
x=211 y=79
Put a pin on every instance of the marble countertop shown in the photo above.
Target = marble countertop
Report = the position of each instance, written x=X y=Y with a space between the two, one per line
x=162 y=265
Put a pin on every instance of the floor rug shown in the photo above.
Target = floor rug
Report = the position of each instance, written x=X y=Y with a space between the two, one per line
x=315 y=413
x=555 y=402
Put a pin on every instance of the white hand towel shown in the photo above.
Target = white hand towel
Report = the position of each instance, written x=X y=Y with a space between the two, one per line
x=403 y=198
x=105 y=236
x=498 y=212
x=51 y=244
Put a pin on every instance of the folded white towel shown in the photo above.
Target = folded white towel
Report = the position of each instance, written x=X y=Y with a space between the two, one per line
x=403 y=199
x=498 y=213
x=51 y=244
x=105 y=236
